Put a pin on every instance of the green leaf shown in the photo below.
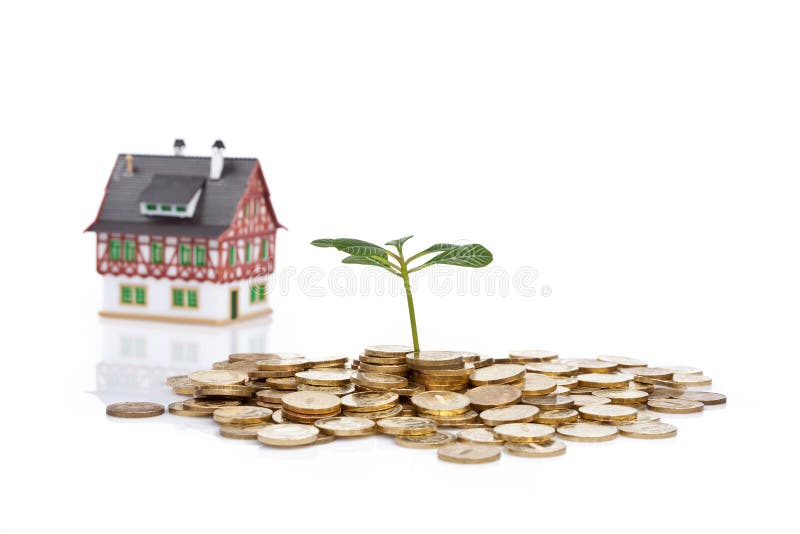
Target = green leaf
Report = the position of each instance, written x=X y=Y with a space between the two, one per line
x=473 y=255
x=363 y=260
x=398 y=243
x=438 y=247
x=356 y=247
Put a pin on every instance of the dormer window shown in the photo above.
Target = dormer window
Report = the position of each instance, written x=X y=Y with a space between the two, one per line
x=171 y=196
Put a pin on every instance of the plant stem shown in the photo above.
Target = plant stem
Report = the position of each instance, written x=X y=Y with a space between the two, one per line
x=410 y=300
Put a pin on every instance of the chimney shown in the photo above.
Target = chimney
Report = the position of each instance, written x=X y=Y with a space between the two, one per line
x=129 y=165
x=217 y=159
x=179 y=146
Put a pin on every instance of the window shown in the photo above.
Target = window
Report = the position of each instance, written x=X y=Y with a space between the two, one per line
x=166 y=207
x=258 y=293
x=184 y=298
x=264 y=249
x=157 y=254
x=186 y=254
x=180 y=209
x=232 y=255
x=247 y=253
x=151 y=207
x=130 y=250
x=133 y=295
x=246 y=210
x=200 y=255
x=114 y=248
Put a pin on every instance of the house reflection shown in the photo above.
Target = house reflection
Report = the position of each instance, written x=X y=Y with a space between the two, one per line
x=137 y=356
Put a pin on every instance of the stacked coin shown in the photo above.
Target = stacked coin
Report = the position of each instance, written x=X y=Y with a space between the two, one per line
x=445 y=408
x=328 y=380
x=309 y=406
x=441 y=370
x=372 y=405
x=385 y=359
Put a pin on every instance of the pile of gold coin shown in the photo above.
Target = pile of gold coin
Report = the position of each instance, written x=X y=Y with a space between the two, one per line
x=527 y=404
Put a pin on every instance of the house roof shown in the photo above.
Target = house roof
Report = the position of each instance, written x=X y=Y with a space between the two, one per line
x=171 y=189
x=215 y=210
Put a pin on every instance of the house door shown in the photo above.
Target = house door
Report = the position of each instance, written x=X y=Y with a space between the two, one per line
x=234 y=304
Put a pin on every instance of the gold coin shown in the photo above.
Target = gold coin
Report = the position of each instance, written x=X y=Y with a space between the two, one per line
x=244 y=367
x=435 y=358
x=706 y=397
x=691 y=381
x=224 y=391
x=284 y=364
x=608 y=412
x=550 y=402
x=311 y=402
x=217 y=378
x=270 y=405
x=536 y=384
x=499 y=373
x=650 y=430
x=406 y=426
x=434 y=440
x=379 y=414
x=242 y=415
x=516 y=413
x=480 y=363
x=546 y=449
x=446 y=374
x=484 y=397
x=459 y=420
x=604 y=380
x=531 y=356
x=273 y=396
x=177 y=408
x=134 y=410
x=385 y=369
x=675 y=406
x=307 y=419
x=207 y=406
x=381 y=360
x=241 y=431
x=557 y=417
x=683 y=370
x=622 y=361
x=469 y=453
x=378 y=380
x=659 y=382
x=440 y=403
x=183 y=386
x=649 y=388
x=336 y=390
x=255 y=375
x=250 y=357
x=277 y=417
x=588 y=400
x=322 y=439
x=650 y=372
x=345 y=426
x=524 y=432
x=552 y=368
x=587 y=432
x=323 y=377
x=172 y=379
x=645 y=417
x=327 y=362
x=623 y=395
x=595 y=366
x=479 y=435
x=370 y=401
x=565 y=381
x=288 y=435
x=287 y=384
x=389 y=351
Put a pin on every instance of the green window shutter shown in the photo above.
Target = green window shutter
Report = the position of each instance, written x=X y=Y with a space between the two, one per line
x=177 y=298
x=157 y=254
x=200 y=255
x=247 y=253
x=180 y=209
x=186 y=255
x=232 y=255
x=264 y=248
x=151 y=207
x=141 y=295
x=262 y=292
x=191 y=298
x=114 y=249
x=130 y=250
x=252 y=294
x=166 y=207
x=126 y=295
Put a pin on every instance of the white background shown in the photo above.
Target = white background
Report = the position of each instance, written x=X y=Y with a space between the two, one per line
x=641 y=156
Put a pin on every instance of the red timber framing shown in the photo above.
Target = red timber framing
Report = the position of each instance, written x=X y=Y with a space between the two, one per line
x=253 y=224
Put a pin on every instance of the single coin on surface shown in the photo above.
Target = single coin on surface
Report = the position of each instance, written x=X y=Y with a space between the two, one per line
x=692 y=381
x=608 y=413
x=492 y=396
x=479 y=435
x=557 y=417
x=545 y=449
x=515 y=413
x=346 y=426
x=675 y=406
x=706 y=397
x=622 y=395
x=469 y=453
x=240 y=431
x=524 y=432
x=288 y=435
x=134 y=410
x=433 y=440
x=242 y=415
x=406 y=426
x=649 y=430
x=499 y=373
x=587 y=432
x=536 y=384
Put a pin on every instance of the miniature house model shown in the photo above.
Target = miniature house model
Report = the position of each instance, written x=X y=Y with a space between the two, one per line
x=185 y=239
